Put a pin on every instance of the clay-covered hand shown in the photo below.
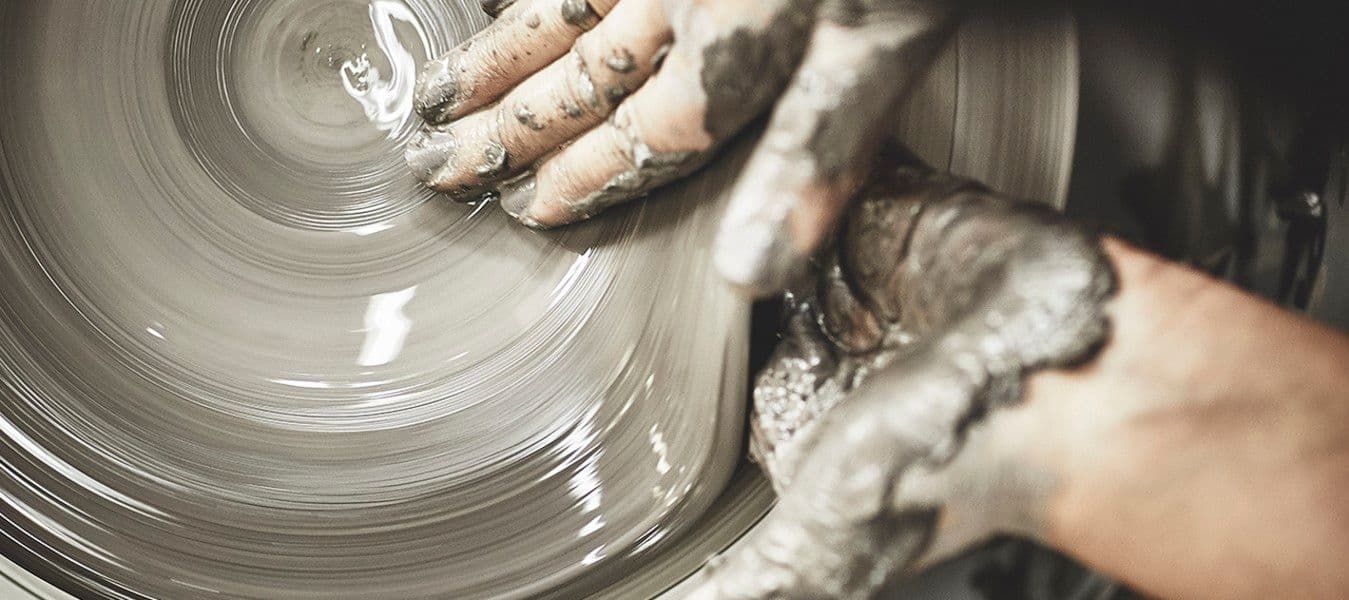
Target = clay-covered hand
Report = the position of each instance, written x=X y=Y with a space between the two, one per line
x=601 y=101
x=889 y=418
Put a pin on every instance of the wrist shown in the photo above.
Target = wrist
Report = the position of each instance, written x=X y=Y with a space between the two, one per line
x=1196 y=443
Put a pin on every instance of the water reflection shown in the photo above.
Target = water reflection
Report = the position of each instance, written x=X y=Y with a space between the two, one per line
x=386 y=328
x=387 y=102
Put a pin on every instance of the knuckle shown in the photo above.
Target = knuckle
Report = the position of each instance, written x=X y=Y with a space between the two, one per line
x=601 y=73
x=611 y=66
x=583 y=97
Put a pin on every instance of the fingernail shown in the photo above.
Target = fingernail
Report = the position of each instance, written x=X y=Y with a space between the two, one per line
x=516 y=197
x=437 y=91
x=579 y=13
x=495 y=162
x=429 y=151
x=493 y=8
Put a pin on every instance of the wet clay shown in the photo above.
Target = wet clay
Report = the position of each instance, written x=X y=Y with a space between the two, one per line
x=438 y=90
x=579 y=13
x=583 y=80
x=926 y=255
x=744 y=69
x=428 y=151
x=494 y=8
x=449 y=79
x=827 y=124
x=245 y=354
x=495 y=161
x=620 y=61
x=201 y=313
x=938 y=298
x=649 y=170
x=527 y=118
x=857 y=97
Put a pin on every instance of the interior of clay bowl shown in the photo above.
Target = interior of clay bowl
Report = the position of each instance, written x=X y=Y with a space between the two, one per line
x=243 y=354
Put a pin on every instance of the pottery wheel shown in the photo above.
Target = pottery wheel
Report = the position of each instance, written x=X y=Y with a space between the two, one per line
x=244 y=355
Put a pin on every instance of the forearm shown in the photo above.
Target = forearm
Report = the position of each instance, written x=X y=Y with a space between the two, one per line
x=1207 y=447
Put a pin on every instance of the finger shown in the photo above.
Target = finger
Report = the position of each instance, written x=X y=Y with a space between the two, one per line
x=496 y=7
x=527 y=36
x=839 y=530
x=553 y=106
x=714 y=81
x=814 y=153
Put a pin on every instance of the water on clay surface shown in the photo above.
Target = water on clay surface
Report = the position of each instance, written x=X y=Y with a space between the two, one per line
x=243 y=353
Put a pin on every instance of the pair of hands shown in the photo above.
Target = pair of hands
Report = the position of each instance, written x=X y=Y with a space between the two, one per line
x=925 y=311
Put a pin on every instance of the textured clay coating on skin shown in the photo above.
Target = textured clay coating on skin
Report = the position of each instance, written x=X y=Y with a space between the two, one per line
x=924 y=317
x=579 y=13
x=833 y=114
x=733 y=98
x=745 y=69
x=527 y=118
x=649 y=170
x=495 y=7
x=495 y=161
x=438 y=91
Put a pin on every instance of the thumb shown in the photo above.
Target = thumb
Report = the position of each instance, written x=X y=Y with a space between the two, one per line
x=813 y=156
x=864 y=504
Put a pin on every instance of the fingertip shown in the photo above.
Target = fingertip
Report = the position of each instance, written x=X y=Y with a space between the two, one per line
x=781 y=211
x=757 y=276
x=516 y=198
x=543 y=216
x=437 y=91
x=757 y=256
x=557 y=201
x=428 y=151
x=767 y=234
x=494 y=8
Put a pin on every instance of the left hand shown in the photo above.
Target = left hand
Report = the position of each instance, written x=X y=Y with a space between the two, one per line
x=605 y=100
x=891 y=417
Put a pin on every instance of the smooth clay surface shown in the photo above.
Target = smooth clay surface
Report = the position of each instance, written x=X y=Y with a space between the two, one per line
x=244 y=354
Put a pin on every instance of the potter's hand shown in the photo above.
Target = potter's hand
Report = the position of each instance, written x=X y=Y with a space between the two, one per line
x=950 y=295
x=606 y=99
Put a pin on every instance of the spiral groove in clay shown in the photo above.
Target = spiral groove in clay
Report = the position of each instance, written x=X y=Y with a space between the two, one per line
x=244 y=354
